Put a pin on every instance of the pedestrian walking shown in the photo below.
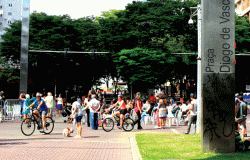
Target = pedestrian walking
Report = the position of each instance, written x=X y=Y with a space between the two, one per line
x=59 y=104
x=77 y=115
x=193 y=115
x=241 y=115
x=138 y=109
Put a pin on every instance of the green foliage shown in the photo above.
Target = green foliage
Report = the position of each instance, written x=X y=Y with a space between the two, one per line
x=179 y=146
x=142 y=67
x=242 y=34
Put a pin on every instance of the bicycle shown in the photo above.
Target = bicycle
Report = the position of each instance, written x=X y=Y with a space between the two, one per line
x=28 y=124
x=109 y=121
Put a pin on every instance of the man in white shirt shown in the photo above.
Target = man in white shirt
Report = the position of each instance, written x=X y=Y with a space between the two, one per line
x=50 y=103
x=94 y=107
x=193 y=115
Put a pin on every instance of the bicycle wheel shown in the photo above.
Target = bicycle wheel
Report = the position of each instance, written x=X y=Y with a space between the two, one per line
x=28 y=127
x=108 y=124
x=49 y=125
x=128 y=124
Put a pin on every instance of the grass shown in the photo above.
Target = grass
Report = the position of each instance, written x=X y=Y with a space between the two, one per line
x=155 y=146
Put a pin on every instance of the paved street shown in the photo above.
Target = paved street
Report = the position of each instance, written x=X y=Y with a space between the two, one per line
x=94 y=145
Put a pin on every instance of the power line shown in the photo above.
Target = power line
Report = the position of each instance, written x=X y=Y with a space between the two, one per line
x=48 y=51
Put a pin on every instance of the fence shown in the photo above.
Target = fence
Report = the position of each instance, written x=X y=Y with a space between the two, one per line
x=12 y=109
x=1 y=110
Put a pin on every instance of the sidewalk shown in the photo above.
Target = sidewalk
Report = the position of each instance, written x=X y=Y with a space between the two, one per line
x=95 y=144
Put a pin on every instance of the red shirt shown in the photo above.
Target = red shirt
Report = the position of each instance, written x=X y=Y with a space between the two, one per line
x=137 y=108
x=123 y=105
x=152 y=98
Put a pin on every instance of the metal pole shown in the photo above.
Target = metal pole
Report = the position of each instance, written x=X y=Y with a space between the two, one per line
x=131 y=93
x=24 y=46
x=199 y=106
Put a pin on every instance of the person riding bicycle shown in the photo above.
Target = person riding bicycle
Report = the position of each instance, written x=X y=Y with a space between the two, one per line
x=122 y=108
x=43 y=109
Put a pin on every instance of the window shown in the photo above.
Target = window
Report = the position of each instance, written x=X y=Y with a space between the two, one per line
x=10 y=5
x=9 y=13
x=1 y=7
x=9 y=22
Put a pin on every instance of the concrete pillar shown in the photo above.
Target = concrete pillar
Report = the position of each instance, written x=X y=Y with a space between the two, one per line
x=218 y=76
x=24 y=46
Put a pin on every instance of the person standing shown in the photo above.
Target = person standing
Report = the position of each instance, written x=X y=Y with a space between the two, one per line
x=193 y=115
x=87 y=104
x=94 y=107
x=77 y=114
x=138 y=109
x=27 y=103
x=49 y=102
x=59 y=104
x=22 y=99
x=78 y=99
x=2 y=96
x=162 y=114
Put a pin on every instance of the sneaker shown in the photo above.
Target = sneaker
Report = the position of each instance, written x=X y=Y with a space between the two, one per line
x=158 y=127
x=185 y=133
x=119 y=127
x=41 y=131
x=140 y=128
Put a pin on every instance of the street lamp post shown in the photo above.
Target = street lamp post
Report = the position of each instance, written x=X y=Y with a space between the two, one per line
x=199 y=98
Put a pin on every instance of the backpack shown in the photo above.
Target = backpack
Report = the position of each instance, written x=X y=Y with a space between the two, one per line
x=243 y=110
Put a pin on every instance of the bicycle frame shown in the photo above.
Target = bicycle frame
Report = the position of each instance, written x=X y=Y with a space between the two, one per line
x=33 y=117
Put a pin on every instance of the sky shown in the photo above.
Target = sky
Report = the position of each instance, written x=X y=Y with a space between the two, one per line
x=77 y=8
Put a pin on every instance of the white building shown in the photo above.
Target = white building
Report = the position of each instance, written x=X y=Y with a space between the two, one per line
x=10 y=11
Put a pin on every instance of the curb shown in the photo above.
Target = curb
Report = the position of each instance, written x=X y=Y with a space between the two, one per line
x=135 y=150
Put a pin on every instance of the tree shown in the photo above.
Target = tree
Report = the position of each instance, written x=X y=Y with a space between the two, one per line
x=144 y=68
x=242 y=34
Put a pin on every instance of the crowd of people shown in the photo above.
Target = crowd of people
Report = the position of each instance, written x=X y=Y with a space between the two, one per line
x=143 y=105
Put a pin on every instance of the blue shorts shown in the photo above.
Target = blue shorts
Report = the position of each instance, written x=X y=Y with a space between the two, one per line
x=26 y=111
x=78 y=119
x=44 y=112
x=59 y=107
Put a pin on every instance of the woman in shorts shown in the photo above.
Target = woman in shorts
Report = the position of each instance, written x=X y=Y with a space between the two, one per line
x=162 y=114
x=43 y=109
x=59 y=104
x=122 y=108
x=77 y=114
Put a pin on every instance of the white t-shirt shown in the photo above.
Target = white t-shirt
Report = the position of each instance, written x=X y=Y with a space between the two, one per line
x=194 y=110
x=59 y=100
x=184 y=107
x=77 y=105
x=95 y=104
x=87 y=103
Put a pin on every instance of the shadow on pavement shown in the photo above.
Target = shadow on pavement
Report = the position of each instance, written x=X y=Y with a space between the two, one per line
x=92 y=137
x=13 y=143
x=39 y=138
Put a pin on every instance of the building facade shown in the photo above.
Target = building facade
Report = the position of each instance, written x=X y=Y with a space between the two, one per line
x=10 y=11
x=242 y=7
